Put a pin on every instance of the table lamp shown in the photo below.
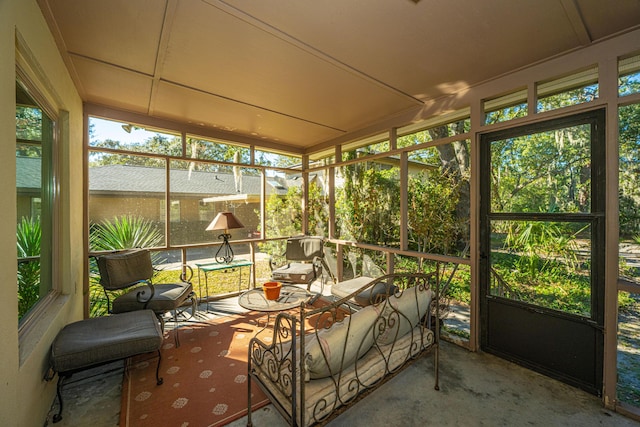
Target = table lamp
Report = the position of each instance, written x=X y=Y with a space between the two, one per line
x=224 y=221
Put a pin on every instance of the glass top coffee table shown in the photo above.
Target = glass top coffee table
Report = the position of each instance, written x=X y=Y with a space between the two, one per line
x=290 y=297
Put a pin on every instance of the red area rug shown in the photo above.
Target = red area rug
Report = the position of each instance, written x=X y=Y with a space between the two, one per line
x=205 y=379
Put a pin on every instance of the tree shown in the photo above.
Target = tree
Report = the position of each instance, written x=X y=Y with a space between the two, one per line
x=629 y=147
x=455 y=162
x=542 y=172
x=28 y=123
x=318 y=210
x=433 y=223
x=368 y=206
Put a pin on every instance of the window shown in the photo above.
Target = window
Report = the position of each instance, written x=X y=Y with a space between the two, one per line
x=438 y=198
x=283 y=204
x=267 y=158
x=444 y=126
x=199 y=148
x=629 y=191
x=323 y=158
x=132 y=137
x=366 y=147
x=629 y=75
x=35 y=136
x=506 y=107
x=146 y=191
x=126 y=200
x=573 y=89
x=367 y=202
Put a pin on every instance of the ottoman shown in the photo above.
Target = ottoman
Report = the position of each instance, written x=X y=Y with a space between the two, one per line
x=93 y=342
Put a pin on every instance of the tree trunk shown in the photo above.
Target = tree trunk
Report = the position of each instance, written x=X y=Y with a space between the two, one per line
x=455 y=161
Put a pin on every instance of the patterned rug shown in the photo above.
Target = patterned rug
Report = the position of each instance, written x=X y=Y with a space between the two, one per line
x=205 y=379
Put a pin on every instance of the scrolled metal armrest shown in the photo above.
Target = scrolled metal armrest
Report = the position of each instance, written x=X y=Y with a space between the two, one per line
x=140 y=294
x=186 y=277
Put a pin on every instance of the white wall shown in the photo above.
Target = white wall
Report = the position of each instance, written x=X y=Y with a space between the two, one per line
x=25 y=398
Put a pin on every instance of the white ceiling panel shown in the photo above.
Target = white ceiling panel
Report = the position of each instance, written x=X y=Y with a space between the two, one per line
x=175 y=103
x=603 y=18
x=406 y=44
x=125 y=33
x=113 y=86
x=301 y=73
x=264 y=70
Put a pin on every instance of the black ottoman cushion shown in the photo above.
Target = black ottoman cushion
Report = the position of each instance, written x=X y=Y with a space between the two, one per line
x=92 y=342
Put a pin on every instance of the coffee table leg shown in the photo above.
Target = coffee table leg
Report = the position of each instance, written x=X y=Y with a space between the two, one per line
x=266 y=323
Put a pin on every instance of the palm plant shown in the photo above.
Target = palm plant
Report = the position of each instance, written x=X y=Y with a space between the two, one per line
x=124 y=232
x=29 y=237
x=121 y=233
x=540 y=243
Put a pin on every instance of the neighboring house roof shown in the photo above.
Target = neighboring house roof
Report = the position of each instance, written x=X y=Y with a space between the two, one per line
x=28 y=173
x=139 y=179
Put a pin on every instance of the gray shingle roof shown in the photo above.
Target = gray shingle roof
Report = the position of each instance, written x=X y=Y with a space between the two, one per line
x=133 y=179
x=28 y=172
x=140 y=179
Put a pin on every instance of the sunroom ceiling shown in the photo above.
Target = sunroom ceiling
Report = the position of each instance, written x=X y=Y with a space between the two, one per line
x=300 y=74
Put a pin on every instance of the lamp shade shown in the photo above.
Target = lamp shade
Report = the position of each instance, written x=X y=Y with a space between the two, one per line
x=224 y=221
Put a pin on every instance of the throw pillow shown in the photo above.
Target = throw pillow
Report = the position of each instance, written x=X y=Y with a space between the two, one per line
x=352 y=337
x=402 y=313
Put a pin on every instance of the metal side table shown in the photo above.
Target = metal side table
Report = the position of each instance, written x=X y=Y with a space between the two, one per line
x=208 y=267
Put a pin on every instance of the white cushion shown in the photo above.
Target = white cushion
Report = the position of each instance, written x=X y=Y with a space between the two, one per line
x=402 y=312
x=352 y=337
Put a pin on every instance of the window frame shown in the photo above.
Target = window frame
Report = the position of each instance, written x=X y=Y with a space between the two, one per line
x=50 y=189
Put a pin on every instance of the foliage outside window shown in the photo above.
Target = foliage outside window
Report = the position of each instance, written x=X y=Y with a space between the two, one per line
x=364 y=148
x=267 y=158
x=629 y=76
x=432 y=133
x=131 y=137
x=283 y=210
x=506 y=107
x=318 y=221
x=35 y=201
x=629 y=189
x=433 y=224
x=543 y=263
x=575 y=89
x=439 y=196
x=543 y=172
x=367 y=202
x=199 y=148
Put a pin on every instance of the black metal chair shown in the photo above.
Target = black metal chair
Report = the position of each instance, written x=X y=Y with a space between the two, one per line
x=304 y=257
x=128 y=275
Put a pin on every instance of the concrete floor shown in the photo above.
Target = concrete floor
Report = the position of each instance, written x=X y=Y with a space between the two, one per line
x=476 y=389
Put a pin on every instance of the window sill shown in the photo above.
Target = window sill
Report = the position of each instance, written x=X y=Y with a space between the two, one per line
x=32 y=331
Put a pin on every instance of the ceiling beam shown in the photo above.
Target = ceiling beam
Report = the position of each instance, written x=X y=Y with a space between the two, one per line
x=165 y=35
x=575 y=17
